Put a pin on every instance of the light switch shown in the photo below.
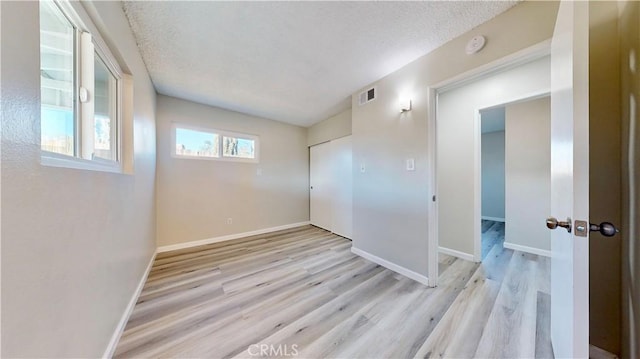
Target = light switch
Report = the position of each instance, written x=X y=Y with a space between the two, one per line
x=259 y=172
x=411 y=164
x=362 y=168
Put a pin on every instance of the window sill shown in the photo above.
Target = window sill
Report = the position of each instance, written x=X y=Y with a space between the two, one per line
x=223 y=159
x=52 y=159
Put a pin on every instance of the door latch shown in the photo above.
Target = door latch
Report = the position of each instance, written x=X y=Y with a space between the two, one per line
x=582 y=228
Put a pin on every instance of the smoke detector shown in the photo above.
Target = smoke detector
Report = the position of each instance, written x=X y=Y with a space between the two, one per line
x=476 y=44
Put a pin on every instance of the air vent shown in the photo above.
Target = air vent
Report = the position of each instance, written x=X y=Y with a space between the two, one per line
x=367 y=96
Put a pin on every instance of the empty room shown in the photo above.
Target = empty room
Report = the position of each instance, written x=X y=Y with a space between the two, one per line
x=218 y=179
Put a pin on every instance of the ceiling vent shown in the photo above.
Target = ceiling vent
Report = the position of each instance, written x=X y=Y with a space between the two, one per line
x=367 y=96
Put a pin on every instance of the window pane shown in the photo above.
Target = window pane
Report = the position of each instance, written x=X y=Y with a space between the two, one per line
x=196 y=143
x=238 y=147
x=56 y=80
x=104 y=142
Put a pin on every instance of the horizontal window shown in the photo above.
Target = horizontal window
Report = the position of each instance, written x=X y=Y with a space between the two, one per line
x=197 y=143
x=238 y=147
x=191 y=142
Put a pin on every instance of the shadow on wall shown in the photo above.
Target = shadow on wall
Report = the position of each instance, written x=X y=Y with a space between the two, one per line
x=630 y=60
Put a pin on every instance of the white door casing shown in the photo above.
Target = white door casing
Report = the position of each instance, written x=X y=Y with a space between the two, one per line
x=570 y=180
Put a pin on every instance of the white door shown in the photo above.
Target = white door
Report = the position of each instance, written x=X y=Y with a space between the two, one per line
x=320 y=174
x=342 y=185
x=570 y=180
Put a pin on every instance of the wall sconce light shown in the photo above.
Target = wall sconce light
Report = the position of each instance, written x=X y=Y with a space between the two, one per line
x=405 y=105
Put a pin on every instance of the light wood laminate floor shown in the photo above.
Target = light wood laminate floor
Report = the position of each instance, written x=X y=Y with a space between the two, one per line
x=302 y=293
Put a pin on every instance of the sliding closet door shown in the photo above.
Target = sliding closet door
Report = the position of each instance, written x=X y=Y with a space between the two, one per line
x=320 y=174
x=343 y=186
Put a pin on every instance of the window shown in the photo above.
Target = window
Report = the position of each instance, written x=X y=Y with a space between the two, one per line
x=238 y=147
x=190 y=142
x=80 y=91
x=197 y=143
x=57 y=76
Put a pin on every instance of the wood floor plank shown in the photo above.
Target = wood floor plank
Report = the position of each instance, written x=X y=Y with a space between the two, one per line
x=510 y=329
x=458 y=333
x=303 y=287
x=543 y=327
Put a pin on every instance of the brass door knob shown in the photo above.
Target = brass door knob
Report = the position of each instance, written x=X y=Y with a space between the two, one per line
x=553 y=223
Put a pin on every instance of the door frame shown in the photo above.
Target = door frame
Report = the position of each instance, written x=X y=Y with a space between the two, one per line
x=510 y=61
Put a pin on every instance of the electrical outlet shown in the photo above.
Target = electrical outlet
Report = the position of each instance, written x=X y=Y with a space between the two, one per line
x=229 y=220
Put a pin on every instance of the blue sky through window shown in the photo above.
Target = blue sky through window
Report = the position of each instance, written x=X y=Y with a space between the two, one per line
x=56 y=123
x=193 y=140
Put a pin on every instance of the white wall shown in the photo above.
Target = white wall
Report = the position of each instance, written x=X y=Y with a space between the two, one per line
x=493 y=175
x=458 y=149
x=75 y=243
x=330 y=129
x=390 y=205
x=528 y=175
x=195 y=197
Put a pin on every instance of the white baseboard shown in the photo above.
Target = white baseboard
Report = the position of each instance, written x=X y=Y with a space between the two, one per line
x=394 y=267
x=453 y=252
x=496 y=219
x=115 y=338
x=229 y=237
x=532 y=250
x=598 y=353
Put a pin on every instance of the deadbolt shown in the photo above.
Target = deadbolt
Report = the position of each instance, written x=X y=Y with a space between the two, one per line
x=553 y=223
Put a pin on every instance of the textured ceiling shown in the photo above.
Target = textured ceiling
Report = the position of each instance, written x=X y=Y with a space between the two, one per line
x=296 y=62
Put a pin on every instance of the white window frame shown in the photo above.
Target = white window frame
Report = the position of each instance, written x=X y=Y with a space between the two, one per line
x=89 y=43
x=221 y=134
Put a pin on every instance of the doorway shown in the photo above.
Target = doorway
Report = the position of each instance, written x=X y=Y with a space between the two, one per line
x=492 y=179
x=458 y=149
x=516 y=175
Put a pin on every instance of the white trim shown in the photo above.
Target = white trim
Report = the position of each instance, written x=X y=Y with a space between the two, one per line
x=432 y=214
x=394 y=267
x=461 y=255
x=599 y=353
x=229 y=237
x=532 y=250
x=477 y=186
x=53 y=159
x=513 y=60
x=495 y=219
x=115 y=338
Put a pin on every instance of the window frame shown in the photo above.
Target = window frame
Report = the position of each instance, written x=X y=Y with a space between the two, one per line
x=88 y=43
x=221 y=134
